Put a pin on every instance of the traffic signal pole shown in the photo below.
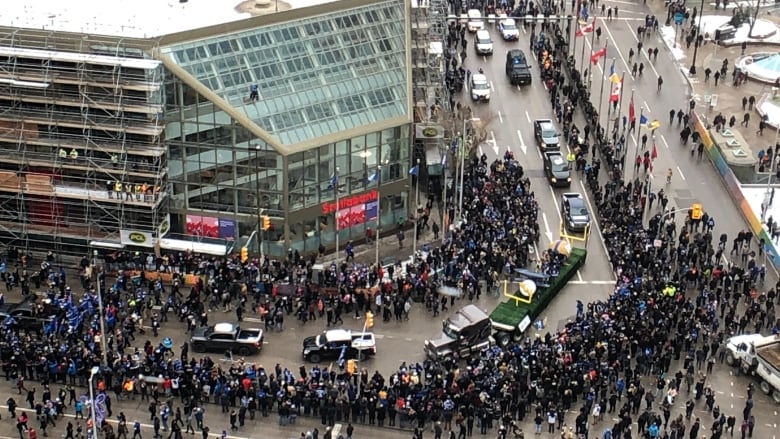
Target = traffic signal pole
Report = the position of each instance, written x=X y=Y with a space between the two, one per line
x=368 y=323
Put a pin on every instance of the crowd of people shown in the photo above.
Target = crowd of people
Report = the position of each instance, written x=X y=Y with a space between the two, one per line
x=642 y=353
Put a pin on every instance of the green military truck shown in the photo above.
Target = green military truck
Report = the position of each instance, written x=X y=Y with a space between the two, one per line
x=511 y=318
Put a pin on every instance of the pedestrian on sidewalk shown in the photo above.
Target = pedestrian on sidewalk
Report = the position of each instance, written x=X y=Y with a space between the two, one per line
x=435 y=230
x=401 y=239
x=745 y=120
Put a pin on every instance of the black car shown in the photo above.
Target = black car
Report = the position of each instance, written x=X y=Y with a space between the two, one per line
x=575 y=212
x=227 y=337
x=24 y=316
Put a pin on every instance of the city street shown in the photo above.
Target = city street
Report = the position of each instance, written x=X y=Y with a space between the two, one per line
x=509 y=116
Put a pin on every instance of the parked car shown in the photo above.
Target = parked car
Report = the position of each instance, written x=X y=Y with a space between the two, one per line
x=576 y=217
x=329 y=345
x=556 y=169
x=546 y=135
x=227 y=337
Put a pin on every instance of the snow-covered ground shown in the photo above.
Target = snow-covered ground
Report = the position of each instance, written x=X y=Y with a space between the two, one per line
x=136 y=18
x=768 y=108
x=668 y=34
x=733 y=4
x=763 y=28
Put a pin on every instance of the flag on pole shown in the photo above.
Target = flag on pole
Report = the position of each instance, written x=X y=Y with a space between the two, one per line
x=614 y=95
x=598 y=54
x=654 y=153
x=613 y=77
x=334 y=181
x=642 y=120
x=373 y=177
x=654 y=124
x=584 y=30
x=414 y=171
x=631 y=113
x=342 y=356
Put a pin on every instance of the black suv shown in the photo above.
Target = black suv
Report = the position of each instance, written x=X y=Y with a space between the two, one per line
x=517 y=69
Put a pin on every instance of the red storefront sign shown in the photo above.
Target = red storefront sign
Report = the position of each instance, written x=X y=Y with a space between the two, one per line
x=350 y=201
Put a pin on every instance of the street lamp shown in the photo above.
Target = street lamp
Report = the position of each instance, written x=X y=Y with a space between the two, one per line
x=692 y=70
x=378 y=214
x=462 y=153
x=101 y=311
x=93 y=411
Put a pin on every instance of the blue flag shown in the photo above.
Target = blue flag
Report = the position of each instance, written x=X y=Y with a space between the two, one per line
x=334 y=181
x=373 y=177
x=642 y=119
x=414 y=171
x=342 y=356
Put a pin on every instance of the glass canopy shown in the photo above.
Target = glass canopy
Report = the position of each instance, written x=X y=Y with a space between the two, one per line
x=315 y=76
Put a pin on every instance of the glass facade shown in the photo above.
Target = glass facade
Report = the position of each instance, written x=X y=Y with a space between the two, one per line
x=315 y=76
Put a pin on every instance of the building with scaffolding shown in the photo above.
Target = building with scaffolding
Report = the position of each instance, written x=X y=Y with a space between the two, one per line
x=179 y=134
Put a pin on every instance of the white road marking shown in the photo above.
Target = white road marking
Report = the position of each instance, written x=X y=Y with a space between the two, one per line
x=592 y=282
x=518 y=87
x=681 y=173
x=500 y=118
x=639 y=54
x=481 y=151
x=547 y=231
x=522 y=143
x=663 y=139
x=648 y=107
x=557 y=209
x=484 y=58
x=595 y=223
x=579 y=276
x=253 y=320
x=491 y=85
x=493 y=141
x=528 y=117
x=620 y=54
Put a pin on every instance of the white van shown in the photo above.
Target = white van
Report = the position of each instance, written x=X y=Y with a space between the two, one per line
x=475 y=20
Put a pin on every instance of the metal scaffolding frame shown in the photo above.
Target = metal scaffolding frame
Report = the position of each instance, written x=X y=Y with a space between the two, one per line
x=429 y=31
x=77 y=112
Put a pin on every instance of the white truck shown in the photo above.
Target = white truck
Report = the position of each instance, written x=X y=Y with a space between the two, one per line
x=759 y=356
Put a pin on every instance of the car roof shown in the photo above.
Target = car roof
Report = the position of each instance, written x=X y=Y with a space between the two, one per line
x=508 y=20
x=339 y=334
x=478 y=77
x=545 y=123
x=556 y=159
x=576 y=202
x=483 y=34
x=468 y=315
x=225 y=327
x=474 y=13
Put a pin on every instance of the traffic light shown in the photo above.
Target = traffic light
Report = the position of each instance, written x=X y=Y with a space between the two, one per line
x=244 y=254
x=369 y=319
x=266 y=222
x=351 y=367
x=696 y=211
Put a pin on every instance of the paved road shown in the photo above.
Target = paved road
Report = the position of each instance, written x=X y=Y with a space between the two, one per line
x=514 y=109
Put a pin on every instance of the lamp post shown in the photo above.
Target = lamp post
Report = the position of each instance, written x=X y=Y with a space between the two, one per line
x=101 y=311
x=378 y=214
x=692 y=70
x=416 y=209
x=462 y=153
x=93 y=412
x=768 y=193
x=336 y=213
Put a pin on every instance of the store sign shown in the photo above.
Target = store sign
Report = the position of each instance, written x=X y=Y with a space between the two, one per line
x=136 y=238
x=350 y=202
x=428 y=131
x=164 y=227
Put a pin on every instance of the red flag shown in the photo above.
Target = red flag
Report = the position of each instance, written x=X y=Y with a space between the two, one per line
x=598 y=54
x=654 y=152
x=614 y=96
x=631 y=114
x=584 y=30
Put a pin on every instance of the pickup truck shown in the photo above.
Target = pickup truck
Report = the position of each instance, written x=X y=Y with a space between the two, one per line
x=759 y=356
x=546 y=135
x=24 y=316
x=556 y=169
x=330 y=344
x=227 y=337
x=464 y=333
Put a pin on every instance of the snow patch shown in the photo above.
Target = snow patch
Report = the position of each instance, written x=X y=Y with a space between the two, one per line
x=668 y=33
x=763 y=28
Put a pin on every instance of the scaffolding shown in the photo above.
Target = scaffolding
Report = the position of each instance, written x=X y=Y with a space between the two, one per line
x=429 y=30
x=81 y=146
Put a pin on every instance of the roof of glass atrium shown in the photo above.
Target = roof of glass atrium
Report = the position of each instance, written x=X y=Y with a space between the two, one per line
x=315 y=76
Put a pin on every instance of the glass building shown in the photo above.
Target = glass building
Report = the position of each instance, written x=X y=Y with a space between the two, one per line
x=278 y=115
